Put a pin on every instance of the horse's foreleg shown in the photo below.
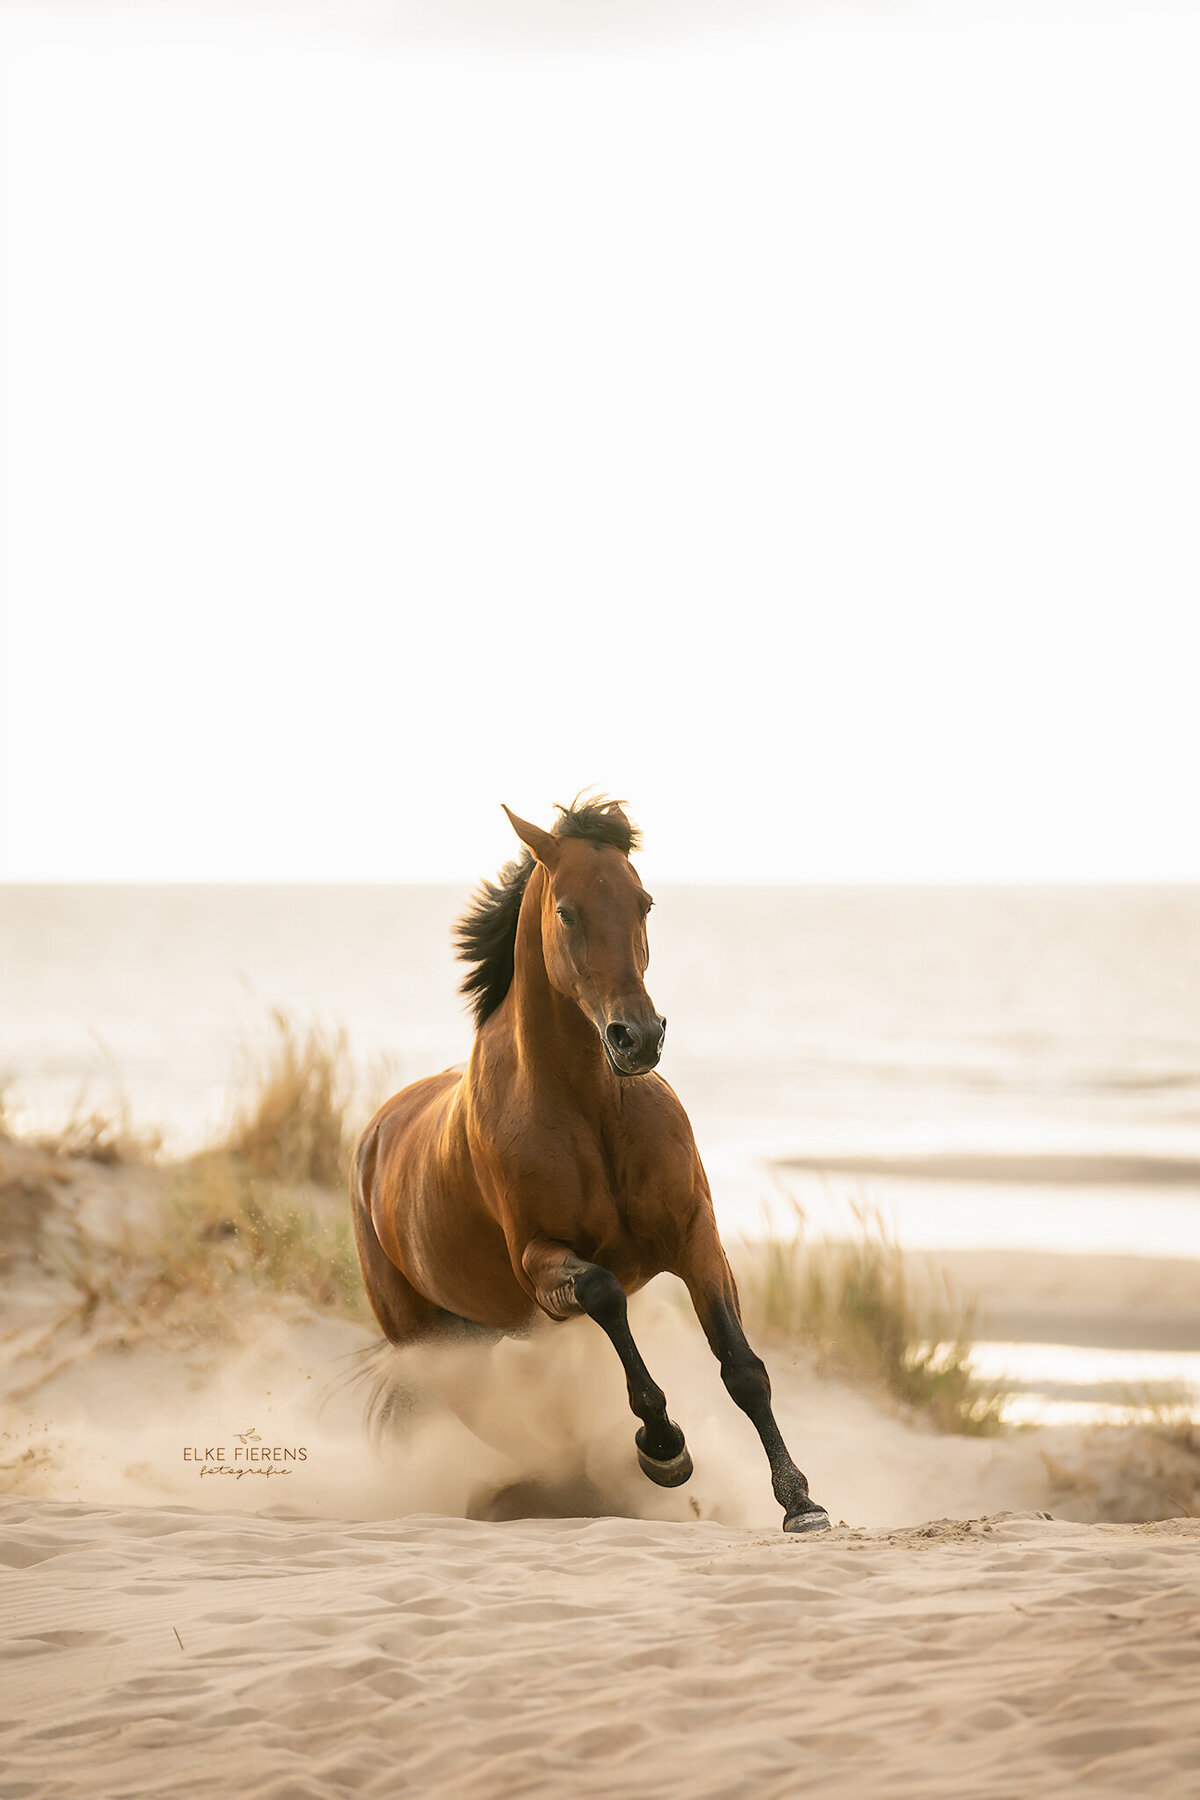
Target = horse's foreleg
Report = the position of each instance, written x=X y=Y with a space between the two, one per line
x=714 y=1295
x=565 y=1284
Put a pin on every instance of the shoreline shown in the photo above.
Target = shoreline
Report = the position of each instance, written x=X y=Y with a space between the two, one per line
x=1000 y=1167
x=1102 y=1300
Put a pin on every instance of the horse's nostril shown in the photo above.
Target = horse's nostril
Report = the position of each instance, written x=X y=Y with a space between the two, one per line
x=621 y=1038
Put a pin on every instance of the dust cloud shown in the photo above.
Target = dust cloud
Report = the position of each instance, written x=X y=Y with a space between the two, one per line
x=537 y=1426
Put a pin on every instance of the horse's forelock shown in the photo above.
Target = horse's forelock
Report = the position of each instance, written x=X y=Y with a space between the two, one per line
x=600 y=821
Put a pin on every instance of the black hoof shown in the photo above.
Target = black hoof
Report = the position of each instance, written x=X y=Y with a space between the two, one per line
x=670 y=1471
x=813 y=1518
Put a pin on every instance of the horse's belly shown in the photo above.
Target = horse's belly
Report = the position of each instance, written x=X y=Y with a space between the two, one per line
x=459 y=1259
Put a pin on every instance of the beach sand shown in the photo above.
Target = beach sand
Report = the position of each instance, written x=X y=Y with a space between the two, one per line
x=211 y=1654
x=507 y=1617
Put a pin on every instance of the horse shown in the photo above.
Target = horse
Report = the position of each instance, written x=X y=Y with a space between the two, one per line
x=557 y=1173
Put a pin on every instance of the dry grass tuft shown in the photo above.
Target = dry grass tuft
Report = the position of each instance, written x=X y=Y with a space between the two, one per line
x=220 y=1236
x=100 y=1137
x=293 y=1128
x=263 y=1211
x=88 y=1132
x=852 y=1305
x=226 y=1223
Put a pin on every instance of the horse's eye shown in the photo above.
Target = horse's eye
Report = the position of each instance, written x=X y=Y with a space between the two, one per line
x=568 y=918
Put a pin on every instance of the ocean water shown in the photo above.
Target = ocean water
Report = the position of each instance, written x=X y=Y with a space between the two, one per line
x=868 y=1022
x=989 y=1067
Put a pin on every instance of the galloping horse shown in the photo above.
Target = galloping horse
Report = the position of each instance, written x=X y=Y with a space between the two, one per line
x=558 y=1172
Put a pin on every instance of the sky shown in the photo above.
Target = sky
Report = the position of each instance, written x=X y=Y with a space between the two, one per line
x=782 y=416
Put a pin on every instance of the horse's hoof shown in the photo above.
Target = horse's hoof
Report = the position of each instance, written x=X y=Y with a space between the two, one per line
x=815 y=1519
x=672 y=1473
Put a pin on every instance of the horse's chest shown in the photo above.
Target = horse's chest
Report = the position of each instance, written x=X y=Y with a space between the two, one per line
x=597 y=1194
x=592 y=1165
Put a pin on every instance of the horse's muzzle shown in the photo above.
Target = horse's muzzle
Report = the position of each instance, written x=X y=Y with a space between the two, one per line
x=634 y=1046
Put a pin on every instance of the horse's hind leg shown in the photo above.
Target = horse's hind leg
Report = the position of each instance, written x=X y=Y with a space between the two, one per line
x=566 y=1284
x=714 y=1295
x=402 y=1312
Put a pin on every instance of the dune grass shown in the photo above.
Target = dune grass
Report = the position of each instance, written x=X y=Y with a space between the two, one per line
x=228 y=1223
x=90 y=1133
x=263 y=1209
x=97 y=1136
x=220 y=1237
x=851 y=1304
x=293 y=1125
x=268 y=1203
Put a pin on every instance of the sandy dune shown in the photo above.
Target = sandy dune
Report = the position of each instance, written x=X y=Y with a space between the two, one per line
x=288 y=1659
x=404 y=1623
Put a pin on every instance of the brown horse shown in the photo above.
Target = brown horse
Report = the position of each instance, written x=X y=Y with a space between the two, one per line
x=557 y=1172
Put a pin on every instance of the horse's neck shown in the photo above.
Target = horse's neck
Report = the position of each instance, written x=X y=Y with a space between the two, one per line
x=550 y=1031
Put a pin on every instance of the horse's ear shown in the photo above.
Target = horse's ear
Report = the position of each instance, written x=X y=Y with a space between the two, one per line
x=544 y=846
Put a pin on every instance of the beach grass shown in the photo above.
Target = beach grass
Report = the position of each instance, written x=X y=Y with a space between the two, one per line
x=90 y=1133
x=228 y=1223
x=219 y=1236
x=852 y=1306
x=293 y=1127
x=264 y=1208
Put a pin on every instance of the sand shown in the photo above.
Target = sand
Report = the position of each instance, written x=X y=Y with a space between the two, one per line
x=294 y=1639
x=211 y=1654
x=509 y=1617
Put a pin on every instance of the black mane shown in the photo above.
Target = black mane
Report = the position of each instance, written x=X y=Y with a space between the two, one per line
x=486 y=934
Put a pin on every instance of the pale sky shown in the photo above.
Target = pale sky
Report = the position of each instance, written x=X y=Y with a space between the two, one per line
x=782 y=416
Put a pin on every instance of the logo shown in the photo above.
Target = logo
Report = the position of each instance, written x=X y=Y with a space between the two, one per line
x=250 y=1457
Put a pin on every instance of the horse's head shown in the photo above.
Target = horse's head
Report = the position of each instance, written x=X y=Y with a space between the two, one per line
x=593 y=920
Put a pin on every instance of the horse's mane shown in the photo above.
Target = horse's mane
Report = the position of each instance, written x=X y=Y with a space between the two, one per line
x=486 y=934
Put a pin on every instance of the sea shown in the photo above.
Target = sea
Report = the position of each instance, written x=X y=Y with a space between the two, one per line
x=1010 y=1068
